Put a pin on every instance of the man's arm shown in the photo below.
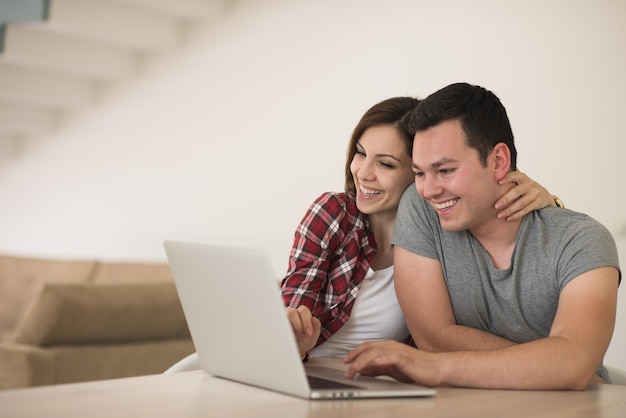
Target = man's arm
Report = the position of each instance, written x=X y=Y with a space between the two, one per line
x=567 y=359
x=427 y=309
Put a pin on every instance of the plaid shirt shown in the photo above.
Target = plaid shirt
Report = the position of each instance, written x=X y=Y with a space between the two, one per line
x=331 y=253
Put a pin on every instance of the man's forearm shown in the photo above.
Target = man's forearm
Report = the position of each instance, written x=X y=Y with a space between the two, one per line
x=548 y=363
x=461 y=338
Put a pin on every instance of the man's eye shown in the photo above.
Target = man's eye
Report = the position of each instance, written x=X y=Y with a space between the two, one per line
x=418 y=174
x=446 y=171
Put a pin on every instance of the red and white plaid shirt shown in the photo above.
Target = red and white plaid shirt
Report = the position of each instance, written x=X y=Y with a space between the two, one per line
x=332 y=251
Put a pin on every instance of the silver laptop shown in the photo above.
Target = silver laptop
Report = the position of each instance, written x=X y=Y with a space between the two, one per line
x=237 y=319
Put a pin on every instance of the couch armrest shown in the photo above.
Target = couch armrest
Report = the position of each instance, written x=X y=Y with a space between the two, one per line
x=24 y=366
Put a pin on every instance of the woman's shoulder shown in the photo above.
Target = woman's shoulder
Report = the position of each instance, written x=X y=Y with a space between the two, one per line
x=335 y=203
x=336 y=214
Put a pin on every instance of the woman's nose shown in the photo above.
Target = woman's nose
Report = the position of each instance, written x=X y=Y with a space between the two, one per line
x=366 y=171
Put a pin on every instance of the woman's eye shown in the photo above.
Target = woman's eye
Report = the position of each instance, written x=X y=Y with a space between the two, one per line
x=387 y=165
x=361 y=153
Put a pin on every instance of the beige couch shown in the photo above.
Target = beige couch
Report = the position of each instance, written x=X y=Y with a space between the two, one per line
x=67 y=321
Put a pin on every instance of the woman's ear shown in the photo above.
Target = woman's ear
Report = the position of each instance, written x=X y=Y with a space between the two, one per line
x=501 y=155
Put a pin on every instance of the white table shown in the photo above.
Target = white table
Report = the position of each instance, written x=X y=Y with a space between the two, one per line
x=196 y=394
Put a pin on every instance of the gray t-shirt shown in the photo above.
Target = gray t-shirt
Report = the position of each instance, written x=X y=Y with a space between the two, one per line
x=553 y=247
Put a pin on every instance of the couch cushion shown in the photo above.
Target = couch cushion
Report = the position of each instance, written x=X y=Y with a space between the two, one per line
x=23 y=366
x=21 y=278
x=112 y=361
x=85 y=313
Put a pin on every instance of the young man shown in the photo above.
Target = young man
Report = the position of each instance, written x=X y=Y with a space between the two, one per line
x=493 y=304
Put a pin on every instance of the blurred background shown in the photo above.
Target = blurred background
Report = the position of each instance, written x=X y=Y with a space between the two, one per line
x=222 y=121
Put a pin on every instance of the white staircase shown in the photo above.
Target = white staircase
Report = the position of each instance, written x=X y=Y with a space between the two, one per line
x=56 y=65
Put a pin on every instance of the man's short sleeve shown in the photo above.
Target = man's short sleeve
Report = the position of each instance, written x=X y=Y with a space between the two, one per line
x=417 y=225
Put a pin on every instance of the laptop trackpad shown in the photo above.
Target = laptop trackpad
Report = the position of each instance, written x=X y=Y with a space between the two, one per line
x=334 y=379
x=321 y=383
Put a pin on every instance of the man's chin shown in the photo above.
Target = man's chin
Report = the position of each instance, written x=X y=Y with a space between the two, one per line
x=451 y=226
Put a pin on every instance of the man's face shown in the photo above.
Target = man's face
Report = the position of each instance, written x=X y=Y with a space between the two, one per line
x=451 y=178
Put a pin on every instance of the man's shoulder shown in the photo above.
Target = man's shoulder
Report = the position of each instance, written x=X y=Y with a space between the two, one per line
x=564 y=218
x=567 y=224
x=410 y=198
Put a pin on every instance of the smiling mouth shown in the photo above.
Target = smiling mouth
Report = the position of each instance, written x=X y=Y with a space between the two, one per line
x=369 y=192
x=445 y=205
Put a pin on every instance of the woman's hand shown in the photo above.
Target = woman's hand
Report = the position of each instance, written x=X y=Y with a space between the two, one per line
x=306 y=328
x=525 y=197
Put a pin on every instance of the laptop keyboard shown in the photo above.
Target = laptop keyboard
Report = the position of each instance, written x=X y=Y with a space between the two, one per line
x=319 y=383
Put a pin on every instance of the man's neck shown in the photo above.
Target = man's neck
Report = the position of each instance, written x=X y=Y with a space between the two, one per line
x=498 y=238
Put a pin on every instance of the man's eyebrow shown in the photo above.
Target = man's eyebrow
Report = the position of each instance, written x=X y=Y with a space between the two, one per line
x=436 y=164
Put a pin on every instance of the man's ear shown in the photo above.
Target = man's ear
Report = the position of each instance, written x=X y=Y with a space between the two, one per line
x=501 y=160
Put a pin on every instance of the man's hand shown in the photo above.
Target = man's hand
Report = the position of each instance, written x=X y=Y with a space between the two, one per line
x=394 y=359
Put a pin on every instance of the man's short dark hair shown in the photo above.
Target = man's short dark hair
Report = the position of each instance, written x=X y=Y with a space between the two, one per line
x=482 y=116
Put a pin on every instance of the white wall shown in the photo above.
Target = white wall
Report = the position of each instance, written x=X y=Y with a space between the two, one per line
x=231 y=138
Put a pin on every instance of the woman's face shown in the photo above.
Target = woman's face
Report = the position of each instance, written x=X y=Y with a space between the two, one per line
x=381 y=169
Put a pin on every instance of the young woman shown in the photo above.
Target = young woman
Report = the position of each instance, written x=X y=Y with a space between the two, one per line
x=339 y=289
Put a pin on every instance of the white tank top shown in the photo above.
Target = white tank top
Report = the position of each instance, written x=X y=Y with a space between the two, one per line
x=376 y=315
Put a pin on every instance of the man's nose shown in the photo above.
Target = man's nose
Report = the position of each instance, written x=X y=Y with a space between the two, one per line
x=429 y=187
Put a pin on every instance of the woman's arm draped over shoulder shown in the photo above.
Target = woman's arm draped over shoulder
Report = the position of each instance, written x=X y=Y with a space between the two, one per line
x=526 y=196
